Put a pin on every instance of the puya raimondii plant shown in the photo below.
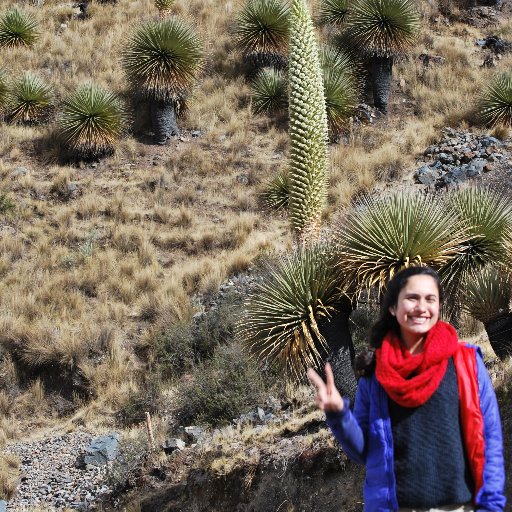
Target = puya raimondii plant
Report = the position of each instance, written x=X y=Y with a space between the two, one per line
x=261 y=34
x=380 y=31
x=162 y=59
x=31 y=100
x=495 y=103
x=17 y=28
x=92 y=121
x=308 y=173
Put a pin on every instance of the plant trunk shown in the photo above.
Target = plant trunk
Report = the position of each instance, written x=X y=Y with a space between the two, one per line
x=381 y=71
x=341 y=348
x=499 y=332
x=163 y=120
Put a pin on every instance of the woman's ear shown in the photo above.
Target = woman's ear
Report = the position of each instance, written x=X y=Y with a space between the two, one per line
x=392 y=310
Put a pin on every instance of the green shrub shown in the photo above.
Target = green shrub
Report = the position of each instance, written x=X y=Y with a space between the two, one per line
x=282 y=315
x=178 y=347
x=146 y=398
x=163 y=58
x=269 y=91
x=276 y=193
x=262 y=27
x=495 y=104
x=91 y=122
x=17 y=28
x=227 y=386
x=31 y=100
x=6 y=203
x=332 y=12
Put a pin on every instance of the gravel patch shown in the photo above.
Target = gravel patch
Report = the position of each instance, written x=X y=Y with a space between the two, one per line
x=53 y=474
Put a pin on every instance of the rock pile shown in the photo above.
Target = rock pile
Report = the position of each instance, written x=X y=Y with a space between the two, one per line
x=458 y=157
x=53 y=473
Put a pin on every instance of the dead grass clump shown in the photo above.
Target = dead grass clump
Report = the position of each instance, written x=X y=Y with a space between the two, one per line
x=9 y=475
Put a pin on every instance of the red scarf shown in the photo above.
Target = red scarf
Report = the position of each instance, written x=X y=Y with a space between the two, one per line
x=395 y=363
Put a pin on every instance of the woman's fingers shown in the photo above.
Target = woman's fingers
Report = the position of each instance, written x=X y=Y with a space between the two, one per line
x=315 y=379
x=330 y=378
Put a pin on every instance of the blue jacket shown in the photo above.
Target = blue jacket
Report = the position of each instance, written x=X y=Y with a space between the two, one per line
x=365 y=435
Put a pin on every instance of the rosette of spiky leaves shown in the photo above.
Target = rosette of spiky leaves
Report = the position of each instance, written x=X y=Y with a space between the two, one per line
x=382 y=28
x=382 y=235
x=307 y=123
x=332 y=12
x=4 y=91
x=281 y=317
x=17 y=28
x=164 y=7
x=341 y=86
x=276 y=194
x=269 y=91
x=487 y=294
x=92 y=121
x=262 y=27
x=487 y=215
x=163 y=58
x=495 y=105
x=31 y=100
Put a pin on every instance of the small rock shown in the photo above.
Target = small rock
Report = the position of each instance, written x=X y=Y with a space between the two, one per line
x=195 y=133
x=171 y=445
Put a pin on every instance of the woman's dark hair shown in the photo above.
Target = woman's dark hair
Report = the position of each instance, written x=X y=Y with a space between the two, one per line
x=387 y=322
x=364 y=363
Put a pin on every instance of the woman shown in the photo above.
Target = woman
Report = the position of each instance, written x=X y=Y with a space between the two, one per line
x=425 y=419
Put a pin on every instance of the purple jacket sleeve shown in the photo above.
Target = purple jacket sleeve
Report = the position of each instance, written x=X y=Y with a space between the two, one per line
x=490 y=497
x=351 y=428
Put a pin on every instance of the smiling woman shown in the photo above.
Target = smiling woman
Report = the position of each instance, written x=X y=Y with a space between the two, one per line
x=425 y=421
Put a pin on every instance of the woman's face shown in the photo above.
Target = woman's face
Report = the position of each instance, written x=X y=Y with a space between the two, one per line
x=417 y=308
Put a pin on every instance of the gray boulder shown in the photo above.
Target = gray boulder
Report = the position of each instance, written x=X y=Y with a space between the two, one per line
x=102 y=450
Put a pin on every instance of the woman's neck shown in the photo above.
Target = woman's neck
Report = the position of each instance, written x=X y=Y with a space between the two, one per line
x=414 y=346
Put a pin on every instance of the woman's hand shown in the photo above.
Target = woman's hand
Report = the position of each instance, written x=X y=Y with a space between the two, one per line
x=328 y=397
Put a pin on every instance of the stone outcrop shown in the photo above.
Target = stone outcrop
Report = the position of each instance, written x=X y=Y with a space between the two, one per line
x=458 y=157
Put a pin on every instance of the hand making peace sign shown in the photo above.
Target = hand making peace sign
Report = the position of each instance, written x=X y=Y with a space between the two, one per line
x=328 y=397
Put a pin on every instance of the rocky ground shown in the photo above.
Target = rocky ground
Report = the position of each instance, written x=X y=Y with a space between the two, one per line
x=53 y=473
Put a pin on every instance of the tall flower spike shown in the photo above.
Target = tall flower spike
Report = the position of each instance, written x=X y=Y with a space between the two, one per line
x=307 y=125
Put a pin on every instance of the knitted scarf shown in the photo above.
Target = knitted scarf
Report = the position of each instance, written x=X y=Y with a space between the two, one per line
x=410 y=380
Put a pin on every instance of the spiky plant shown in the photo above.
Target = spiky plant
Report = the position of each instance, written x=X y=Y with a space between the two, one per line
x=31 y=100
x=381 y=31
x=164 y=7
x=277 y=192
x=332 y=12
x=341 y=100
x=307 y=124
x=4 y=91
x=382 y=235
x=495 y=104
x=486 y=296
x=487 y=215
x=162 y=60
x=92 y=121
x=17 y=28
x=341 y=87
x=261 y=33
x=269 y=91
x=282 y=316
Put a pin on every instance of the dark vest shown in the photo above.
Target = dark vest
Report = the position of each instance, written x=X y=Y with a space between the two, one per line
x=431 y=467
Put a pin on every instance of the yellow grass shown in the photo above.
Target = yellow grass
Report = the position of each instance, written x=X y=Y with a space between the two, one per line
x=142 y=235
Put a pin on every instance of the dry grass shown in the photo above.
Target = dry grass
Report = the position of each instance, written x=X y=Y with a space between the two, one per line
x=152 y=226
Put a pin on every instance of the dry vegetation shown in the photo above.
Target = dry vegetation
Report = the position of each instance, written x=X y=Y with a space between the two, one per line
x=87 y=276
